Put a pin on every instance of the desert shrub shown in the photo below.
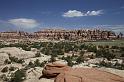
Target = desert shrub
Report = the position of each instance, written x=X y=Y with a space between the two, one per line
x=106 y=46
x=26 y=48
x=92 y=48
x=106 y=64
x=14 y=59
x=69 y=61
x=81 y=46
x=38 y=54
x=20 y=61
x=115 y=47
x=44 y=44
x=36 y=45
x=80 y=59
x=105 y=53
x=68 y=47
x=46 y=51
x=43 y=63
x=7 y=61
x=109 y=56
x=81 y=53
x=52 y=58
x=18 y=76
x=100 y=46
x=37 y=63
x=31 y=64
x=57 y=52
x=110 y=65
x=5 y=69
x=122 y=48
x=12 y=68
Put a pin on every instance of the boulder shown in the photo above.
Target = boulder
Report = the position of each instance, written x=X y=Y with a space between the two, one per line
x=53 y=69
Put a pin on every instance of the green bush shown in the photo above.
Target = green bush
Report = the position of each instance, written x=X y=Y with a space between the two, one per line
x=69 y=61
x=80 y=59
x=31 y=64
x=14 y=59
x=43 y=63
x=36 y=45
x=105 y=53
x=37 y=63
x=18 y=76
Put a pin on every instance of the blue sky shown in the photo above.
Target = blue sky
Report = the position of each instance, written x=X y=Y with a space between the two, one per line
x=32 y=15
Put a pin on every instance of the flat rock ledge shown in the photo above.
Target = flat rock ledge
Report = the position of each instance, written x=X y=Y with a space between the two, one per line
x=64 y=73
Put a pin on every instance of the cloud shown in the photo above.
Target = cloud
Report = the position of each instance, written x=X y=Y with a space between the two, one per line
x=115 y=28
x=24 y=23
x=76 y=13
x=73 y=13
x=94 y=13
x=5 y=26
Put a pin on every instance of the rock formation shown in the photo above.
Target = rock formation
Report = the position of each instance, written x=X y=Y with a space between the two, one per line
x=59 y=34
x=64 y=73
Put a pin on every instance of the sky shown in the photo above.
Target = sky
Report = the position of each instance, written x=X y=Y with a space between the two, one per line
x=33 y=15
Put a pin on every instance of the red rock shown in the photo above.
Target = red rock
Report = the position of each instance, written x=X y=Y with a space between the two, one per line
x=87 y=75
x=64 y=73
x=54 y=69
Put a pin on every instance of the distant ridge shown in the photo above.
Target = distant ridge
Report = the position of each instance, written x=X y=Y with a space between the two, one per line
x=63 y=34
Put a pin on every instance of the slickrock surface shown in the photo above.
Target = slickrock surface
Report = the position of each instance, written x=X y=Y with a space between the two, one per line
x=67 y=74
x=19 y=53
x=114 y=71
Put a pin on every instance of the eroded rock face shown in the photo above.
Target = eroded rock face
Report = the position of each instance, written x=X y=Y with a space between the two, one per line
x=53 y=69
x=64 y=73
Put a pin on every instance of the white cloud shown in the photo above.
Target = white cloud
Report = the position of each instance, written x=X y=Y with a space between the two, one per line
x=94 y=13
x=75 y=13
x=115 y=28
x=24 y=23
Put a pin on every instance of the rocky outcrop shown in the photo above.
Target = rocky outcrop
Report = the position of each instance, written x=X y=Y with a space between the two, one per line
x=64 y=73
x=53 y=69
x=58 y=34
